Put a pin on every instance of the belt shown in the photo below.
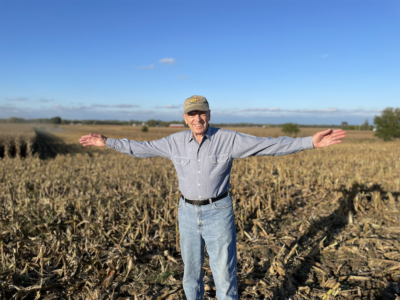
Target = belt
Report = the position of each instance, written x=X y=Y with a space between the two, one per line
x=207 y=201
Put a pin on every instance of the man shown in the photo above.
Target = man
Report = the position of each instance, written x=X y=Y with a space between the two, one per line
x=203 y=160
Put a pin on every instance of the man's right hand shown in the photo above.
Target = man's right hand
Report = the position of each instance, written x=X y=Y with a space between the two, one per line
x=93 y=139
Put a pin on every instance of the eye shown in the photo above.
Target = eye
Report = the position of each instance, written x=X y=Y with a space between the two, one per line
x=193 y=114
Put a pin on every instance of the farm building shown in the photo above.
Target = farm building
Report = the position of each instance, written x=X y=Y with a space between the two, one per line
x=176 y=126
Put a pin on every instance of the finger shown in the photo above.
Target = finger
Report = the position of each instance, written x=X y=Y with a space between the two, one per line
x=336 y=142
x=82 y=140
x=91 y=137
x=325 y=132
x=338 y=132
x=87 y=144
x=338 y=136
x=88 y=137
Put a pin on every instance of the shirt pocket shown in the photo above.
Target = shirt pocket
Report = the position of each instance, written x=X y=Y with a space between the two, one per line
x=218 y=164
x=182 y=166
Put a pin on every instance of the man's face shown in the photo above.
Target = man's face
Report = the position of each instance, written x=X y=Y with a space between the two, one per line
x=198 y=121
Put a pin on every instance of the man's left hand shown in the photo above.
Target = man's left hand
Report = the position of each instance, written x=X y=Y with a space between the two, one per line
x=328 y=137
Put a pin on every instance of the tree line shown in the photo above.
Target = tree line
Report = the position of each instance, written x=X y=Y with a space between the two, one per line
x=387 y=125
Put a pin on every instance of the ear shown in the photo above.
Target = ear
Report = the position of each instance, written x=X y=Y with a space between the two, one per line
x=209 y=115
x=184 y=117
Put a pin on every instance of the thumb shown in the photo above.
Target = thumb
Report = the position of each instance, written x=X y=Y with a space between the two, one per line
x=326 y=132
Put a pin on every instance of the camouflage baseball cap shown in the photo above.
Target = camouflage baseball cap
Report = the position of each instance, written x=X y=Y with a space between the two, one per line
x=195 y=102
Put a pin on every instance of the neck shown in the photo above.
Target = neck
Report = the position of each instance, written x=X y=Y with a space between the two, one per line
x=199 y=137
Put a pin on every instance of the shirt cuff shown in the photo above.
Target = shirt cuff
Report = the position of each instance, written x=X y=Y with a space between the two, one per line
x=307 y=143
x=110 y=143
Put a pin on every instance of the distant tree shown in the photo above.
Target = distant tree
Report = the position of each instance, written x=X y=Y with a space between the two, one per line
x=365 y=126
x=388 y=124
x=152 y=123
x=290 y=128
x=16 y=120
x=55 y=120
x=145 y=129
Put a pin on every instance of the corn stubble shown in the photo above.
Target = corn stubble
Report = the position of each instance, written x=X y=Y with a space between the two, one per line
x=17 y=142
x=321 y=224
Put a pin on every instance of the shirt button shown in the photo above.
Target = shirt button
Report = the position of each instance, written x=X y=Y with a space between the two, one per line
x=198 y=160
x=199 y=184
x=198 y=172
x=199 y=196
x=217 y=159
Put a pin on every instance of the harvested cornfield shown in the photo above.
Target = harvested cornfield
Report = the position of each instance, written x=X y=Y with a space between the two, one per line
x=321 y=224
x=19 y=141
x=16 y=141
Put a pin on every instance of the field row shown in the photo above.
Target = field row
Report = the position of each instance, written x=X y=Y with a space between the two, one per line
x=24 y=142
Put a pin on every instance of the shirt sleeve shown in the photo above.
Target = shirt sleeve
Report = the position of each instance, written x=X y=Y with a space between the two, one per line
x=141 y=149
x=245 y=145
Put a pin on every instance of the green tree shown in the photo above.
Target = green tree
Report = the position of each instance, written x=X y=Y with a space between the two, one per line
x=152 y=123
x=55 y=120
x=365 y=126
x=145 y=129
x=388 y=124
x=16 y=120
x=290 y=128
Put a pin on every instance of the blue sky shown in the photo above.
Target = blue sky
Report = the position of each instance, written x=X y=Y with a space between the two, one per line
x=271 y=61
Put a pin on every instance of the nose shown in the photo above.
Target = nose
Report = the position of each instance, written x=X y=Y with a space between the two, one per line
x=197 y=117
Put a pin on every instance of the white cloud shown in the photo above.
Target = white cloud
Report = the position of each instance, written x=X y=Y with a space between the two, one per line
x=94 y=107
x=140 y=112
x=8 y=109
x=145 y=67
x=182 y=77
x=247 y=115
x=18 y=99
x=170 y=106
x=70 y=108
x=305 y=112
x=168 y=61
x=324 y=56
x=260 y=109
x=44 y=100
x=114 y=106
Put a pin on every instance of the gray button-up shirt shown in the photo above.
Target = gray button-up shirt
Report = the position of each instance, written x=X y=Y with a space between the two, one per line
x=204 y=169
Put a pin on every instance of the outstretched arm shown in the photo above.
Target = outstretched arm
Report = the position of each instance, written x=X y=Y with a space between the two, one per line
x=137 y=149
x=328 y=137
x=245 y=145
x=93 y=139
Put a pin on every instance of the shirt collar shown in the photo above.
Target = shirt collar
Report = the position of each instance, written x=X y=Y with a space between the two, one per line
x=207 y=134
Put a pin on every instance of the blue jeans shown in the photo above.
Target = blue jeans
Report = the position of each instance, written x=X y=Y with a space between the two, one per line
x=211 y=225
